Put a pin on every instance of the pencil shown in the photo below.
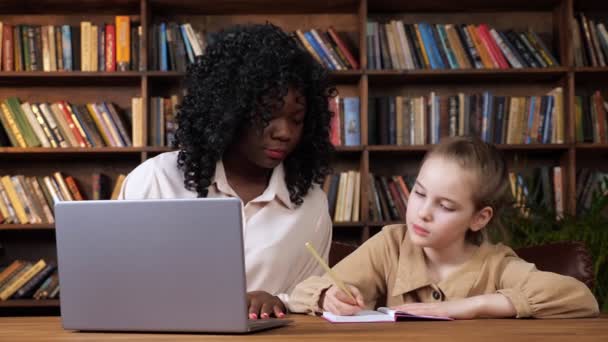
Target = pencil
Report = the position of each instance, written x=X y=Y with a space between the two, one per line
x=331 y=274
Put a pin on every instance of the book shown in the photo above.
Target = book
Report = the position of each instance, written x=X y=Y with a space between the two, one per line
x=383 y=314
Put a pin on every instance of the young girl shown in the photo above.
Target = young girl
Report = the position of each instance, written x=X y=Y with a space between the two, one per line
x=254 y=125
x=439 y=263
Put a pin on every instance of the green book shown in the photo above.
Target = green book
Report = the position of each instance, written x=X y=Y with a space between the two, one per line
x=24 y=126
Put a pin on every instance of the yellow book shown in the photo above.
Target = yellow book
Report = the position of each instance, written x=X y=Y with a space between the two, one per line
x=18 y=282
x=4 y=208
x=118 y=186
x=85 y=46
x=557 y=136
x=340 y=197
x=12 y=195
x=7 y=115
x=357 y=198
x=94 y=48
x=123 y=42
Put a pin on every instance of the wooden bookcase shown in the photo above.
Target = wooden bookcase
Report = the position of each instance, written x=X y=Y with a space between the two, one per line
x=348 y=17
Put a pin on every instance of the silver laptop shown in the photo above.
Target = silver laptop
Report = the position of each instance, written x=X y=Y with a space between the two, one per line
x=154 y=265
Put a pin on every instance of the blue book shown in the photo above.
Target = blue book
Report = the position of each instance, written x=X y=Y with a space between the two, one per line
x=66 y=44
x=164 y=63
x=85 y=128
x=352 y=122
x=446 y=47
x=530 y=119
x=313 y=42
x=437 y=115
x=548 y=127
x=430 y=46
x=189 y=51
x=486 y=123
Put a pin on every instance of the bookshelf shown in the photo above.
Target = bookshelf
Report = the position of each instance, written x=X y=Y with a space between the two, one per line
x=349 y=17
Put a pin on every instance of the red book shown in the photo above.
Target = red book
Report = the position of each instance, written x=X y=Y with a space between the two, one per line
x=72 y=124
x=7 y=47
x=71 y=183
x=497 y=55
x=351 y=59
x=598 y=102
x=110 y=47
x=334 y=125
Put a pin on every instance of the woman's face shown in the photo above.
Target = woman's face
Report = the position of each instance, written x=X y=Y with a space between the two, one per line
x=267 y=148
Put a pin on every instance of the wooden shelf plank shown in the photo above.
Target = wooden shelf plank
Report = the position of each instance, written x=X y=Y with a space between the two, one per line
x=223 y=7
x=462 y=5
x=70 y=150
x=466 y=75
x=29 y=303
x=348 y=224
x=27 y=227
x=591 y=147
x=504 y=147
x=70 y=74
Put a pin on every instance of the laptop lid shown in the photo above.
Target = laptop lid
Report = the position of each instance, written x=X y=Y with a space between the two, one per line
x=152 y=265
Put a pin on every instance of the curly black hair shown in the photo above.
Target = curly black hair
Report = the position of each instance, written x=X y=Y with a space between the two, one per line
x=241 y=77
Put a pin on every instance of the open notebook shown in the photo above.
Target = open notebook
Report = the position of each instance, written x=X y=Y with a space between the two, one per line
x=381 y=315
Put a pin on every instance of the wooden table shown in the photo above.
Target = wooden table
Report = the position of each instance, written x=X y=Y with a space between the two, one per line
x=16 y=329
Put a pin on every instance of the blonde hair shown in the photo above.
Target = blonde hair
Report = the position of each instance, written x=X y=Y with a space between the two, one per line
x=490 y=175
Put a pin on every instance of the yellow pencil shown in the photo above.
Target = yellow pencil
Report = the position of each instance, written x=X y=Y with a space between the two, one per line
x=331 y=274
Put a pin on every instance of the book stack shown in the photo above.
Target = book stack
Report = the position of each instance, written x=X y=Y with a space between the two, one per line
x=90 y=47
x=538 y=187
x=62 y=124
x=29 y=280
x=399 y=120
x=174 y=46
x=328 y=48
x=344 y=196
x=397 y=45
x=388 y=196
x=590 y=40
x=591 y=119
x=31 y=200
x=345 y=128
x=590 y=184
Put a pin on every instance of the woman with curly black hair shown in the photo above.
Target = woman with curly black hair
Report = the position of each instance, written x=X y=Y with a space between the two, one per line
x=254 y=124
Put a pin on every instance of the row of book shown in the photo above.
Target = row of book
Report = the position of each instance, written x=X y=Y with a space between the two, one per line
x=396 y=45
x=388 y=196
x=174 y=46
x=31 y=200
x=590 y=40
x=328 y=48
x=344 y=196
x=345 y=127
x=62 y=124
x=90 y=47
x=399 y=120
x=589 y=184
x=591 y=118
x=162 y=124
x=29 y=280
x=538 y=187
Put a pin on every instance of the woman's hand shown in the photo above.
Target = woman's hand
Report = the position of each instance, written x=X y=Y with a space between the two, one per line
x=264 y=305
x=339 y=303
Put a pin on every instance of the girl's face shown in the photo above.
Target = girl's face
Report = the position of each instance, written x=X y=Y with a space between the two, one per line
x=267 y=148
x=440 y=208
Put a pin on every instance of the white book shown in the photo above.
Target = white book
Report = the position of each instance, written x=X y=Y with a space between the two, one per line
x=383 y=314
